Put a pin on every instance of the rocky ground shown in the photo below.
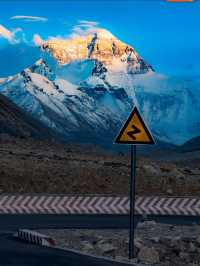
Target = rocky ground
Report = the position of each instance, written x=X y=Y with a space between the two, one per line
x=155 y=244
x=43 y=167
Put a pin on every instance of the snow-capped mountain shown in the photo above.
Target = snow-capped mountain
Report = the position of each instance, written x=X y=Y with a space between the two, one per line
x=85 y=87
x=102 y=47
x=75 y=111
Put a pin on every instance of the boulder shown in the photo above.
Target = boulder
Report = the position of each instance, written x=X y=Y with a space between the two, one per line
x=155 y=239
x=195 y=172
x=106 y=247
x=138 y=243
x=87 y=246
x=148 y=255
x=150 y=169
x=184 y=256
x=198 y=240
x=177 y=173
x=192 y=248
x=170 y=192
x=146 y=224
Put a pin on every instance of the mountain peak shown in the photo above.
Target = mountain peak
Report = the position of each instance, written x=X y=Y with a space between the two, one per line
x=100 y=46
x=104 y=34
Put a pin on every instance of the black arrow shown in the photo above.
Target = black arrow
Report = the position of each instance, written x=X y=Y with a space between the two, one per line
x=132 y=133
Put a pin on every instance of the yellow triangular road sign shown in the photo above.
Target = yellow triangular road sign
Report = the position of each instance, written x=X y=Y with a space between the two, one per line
x=134 y=131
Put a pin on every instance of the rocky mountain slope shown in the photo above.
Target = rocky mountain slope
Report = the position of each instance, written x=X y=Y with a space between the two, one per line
x=85 y=87
x=14 y=122
x=69 y=110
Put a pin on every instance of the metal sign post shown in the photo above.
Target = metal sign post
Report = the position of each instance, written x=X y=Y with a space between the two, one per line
x=132 y=202
x=133 y=132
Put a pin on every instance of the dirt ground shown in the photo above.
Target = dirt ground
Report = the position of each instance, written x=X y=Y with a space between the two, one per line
x=29 y=166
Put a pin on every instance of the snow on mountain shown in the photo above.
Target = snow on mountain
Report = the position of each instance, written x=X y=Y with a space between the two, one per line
x=85 y=87
x=15 y=122
x=170 y=106
x=101 y=46
x=63 y=106
x=76 y=71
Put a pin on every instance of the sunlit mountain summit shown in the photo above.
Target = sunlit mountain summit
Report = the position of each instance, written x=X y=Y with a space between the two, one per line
x=100 y=46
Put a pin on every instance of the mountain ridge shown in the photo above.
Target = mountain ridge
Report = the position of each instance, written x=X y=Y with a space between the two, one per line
x=15 y=122
x=89 y=99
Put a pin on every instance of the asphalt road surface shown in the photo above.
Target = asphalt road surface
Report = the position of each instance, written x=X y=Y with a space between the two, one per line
x=35 y=221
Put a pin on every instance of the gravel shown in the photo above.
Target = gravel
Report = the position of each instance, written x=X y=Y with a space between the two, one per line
x=29 y=166
x=155 y=244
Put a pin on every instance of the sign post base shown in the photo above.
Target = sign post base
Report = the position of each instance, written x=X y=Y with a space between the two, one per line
x=132 y=202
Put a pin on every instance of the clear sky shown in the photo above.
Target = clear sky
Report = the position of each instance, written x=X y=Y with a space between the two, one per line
x=167 y=35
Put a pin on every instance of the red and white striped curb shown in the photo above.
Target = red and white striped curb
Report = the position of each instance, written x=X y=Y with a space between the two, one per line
x=53 y=204
x=35 y=238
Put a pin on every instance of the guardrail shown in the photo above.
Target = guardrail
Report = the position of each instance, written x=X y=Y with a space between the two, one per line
x=70 y=204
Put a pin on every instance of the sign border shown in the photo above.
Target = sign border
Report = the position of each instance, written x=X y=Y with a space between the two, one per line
x=117 y=140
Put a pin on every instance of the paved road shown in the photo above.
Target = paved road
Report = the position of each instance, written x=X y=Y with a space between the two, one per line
x=13 y=222
x=14 y=252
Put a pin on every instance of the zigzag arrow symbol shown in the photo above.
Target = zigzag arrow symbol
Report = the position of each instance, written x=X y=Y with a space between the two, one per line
x=131 y=134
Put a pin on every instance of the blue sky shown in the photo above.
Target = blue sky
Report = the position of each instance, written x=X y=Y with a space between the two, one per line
x=165 y=34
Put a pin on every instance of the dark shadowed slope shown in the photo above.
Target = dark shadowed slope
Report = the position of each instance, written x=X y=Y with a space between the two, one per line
x=191 y=145
x=15 y=122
